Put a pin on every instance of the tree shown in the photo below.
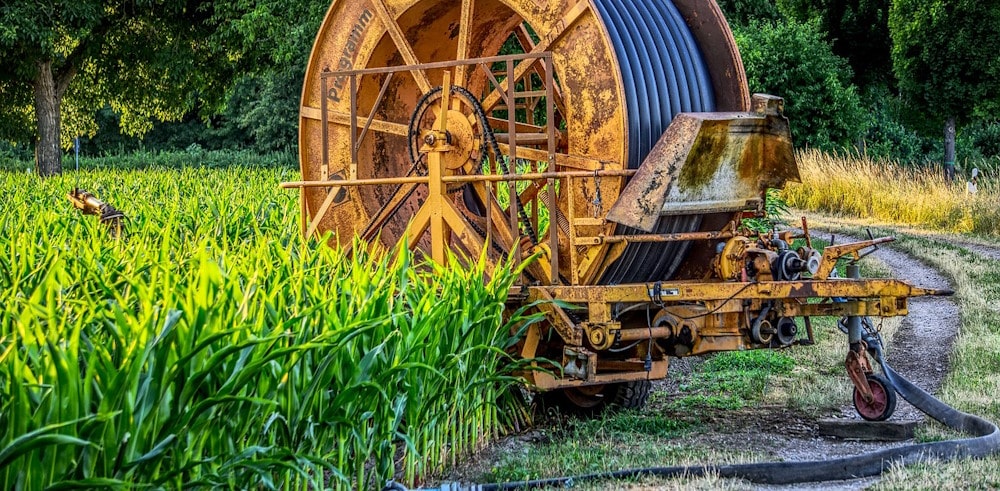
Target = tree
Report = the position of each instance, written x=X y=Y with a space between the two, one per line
x=945 y=57
x=278 y=35
x=743 y=12
x=61 y=60
x=858 y=30
x=792 y=60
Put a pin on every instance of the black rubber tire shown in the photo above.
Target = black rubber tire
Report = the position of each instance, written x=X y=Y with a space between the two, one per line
x=589 y=403
x=885 y=404
x=632 y=395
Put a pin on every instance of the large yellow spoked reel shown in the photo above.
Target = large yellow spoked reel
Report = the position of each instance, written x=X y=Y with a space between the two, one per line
x=620 y=71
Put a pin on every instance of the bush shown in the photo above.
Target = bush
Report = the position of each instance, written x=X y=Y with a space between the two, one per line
x=193 y=156
x=887 y=135
x=979 y=140
x=792 y=60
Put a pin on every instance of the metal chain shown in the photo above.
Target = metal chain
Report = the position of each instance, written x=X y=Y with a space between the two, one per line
x=489 y=140
x=597 y=195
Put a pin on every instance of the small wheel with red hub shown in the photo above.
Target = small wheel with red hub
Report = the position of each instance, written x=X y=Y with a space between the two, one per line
x=883 y=402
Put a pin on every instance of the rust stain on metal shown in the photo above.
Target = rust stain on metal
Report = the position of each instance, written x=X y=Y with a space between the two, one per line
x=709 y=162
x=418 y=174
x=705 y=156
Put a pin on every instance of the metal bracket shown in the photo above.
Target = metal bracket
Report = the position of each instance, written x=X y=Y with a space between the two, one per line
x=858 y=368
x=600 y=335
x=874 y=248
x=832 y=253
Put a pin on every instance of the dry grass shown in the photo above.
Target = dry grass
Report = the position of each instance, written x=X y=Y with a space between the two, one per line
x=686 y=483
x=937 y=476
x=885 y=191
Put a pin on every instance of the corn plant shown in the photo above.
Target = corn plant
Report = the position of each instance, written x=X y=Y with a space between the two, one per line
x=213 y=346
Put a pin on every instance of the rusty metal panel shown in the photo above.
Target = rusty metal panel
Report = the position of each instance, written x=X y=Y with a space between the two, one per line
x=710 y=162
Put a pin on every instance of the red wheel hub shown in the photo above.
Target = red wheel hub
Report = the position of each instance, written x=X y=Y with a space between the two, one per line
x=875 y=409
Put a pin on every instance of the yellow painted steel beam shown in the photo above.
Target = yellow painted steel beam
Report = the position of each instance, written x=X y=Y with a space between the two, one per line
x=547 y=381
x=344 y=119
x=883 y=307
x=528 y=176
x=686 y=291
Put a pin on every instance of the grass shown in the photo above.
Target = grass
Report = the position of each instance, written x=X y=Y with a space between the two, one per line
x=618 y=440
x=731 y=380
x=658 y=435
x=887 y=192
x=677 y=428
x=974 y=377
x=214 y=347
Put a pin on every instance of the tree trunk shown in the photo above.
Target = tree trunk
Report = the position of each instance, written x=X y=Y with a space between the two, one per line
x=949 y=149
x=48 y=99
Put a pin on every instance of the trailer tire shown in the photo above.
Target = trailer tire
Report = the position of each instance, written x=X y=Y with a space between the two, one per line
x=883 y=404
x=593 y=400
x=632 y=395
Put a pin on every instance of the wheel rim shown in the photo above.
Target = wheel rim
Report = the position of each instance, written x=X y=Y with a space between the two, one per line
x=360 y=35
x=876 y=409
x=605 y=70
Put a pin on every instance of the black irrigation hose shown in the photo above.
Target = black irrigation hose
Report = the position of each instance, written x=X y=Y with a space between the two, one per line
x=663 y=74
x=984 y=442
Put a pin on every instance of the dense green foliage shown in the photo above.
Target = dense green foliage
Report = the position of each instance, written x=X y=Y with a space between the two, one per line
x=791 y=59
x=212 y=346
x=740 y=13
x=858 y=30
x=945 y=56
x=152 y=60
x=260 y=108
x=239 y=89
x=891 y=125
x=231 y=71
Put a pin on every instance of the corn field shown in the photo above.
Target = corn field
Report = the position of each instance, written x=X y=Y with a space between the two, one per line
x=212 y=346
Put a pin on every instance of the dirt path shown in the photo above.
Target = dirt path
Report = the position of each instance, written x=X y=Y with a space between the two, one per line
x=919 y=351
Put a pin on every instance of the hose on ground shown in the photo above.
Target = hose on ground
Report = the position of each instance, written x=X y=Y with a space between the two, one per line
x=984 y=441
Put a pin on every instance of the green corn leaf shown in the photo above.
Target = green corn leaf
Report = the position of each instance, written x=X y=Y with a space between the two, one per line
x=40 y=438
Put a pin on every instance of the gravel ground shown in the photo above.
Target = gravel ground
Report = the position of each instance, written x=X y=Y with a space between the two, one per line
x=920 y=352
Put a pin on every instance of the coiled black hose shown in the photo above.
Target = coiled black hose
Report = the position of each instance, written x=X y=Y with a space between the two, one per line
x=664 y=74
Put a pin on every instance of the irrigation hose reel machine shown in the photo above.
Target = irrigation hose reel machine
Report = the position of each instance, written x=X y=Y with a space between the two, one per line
x=625 y=157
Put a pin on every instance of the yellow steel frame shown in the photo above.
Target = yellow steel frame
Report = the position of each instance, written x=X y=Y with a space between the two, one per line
x=725 y=300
